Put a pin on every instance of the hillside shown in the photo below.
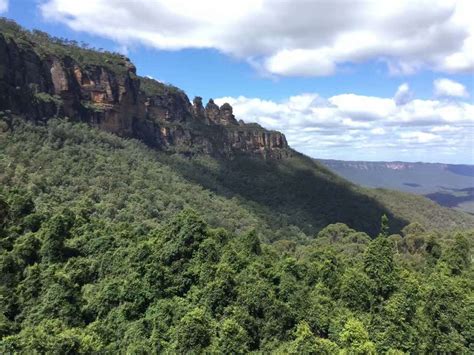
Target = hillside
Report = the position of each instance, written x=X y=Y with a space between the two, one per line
x=449 y=185
x=283 y=199
x=70 y=164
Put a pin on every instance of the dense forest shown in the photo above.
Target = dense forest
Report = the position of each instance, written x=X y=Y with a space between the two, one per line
x=108 y=246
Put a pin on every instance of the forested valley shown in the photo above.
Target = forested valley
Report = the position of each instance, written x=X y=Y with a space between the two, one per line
x=106 y=248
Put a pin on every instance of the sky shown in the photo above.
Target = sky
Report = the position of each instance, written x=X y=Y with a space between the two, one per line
x=343 y=79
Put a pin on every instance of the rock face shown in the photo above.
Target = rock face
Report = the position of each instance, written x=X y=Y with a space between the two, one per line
x=42 y=84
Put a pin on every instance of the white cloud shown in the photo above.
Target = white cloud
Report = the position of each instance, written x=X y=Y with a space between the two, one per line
x=363 y=108
x=350 y=126
x=445 y=128
x=290 y=37
x=403 y=94
x=3 y=6
x=419 y=137
x=377 y=131
x=446 y=87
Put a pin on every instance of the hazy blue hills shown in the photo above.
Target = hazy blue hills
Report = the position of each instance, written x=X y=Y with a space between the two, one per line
x=450 y=185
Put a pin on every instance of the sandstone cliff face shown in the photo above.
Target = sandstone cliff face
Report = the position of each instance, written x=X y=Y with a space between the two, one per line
x=168 y=107
x=22 y=73
x=257 y=141
x=98 y=95
x=44 y=85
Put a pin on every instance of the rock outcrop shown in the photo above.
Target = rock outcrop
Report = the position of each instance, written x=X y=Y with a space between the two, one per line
x=198 y=110
x=39 y=83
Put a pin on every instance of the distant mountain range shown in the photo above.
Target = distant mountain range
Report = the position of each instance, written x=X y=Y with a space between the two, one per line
x=449 y=185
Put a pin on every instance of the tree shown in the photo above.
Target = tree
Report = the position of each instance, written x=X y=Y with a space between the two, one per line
x=54 y=233
x=335 y=232
x=218 y=293
x=330 y=271
x=3 y=211
x=59 y=300
x=380 y=266
x=355 y=339
x=458 y=256
x=356 y=289
x=26 y=248
x=182 y=236
x=384 y=226
x=318 y=310
x=433 y=250
x=232 y=338
x=306 y=343
x=193 y=332
x=250 y=243
x=51 y=337
x=444 y=312
x=396 y=325
x=413 y=228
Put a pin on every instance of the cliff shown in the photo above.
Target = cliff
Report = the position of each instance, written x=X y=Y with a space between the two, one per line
x=43 y=77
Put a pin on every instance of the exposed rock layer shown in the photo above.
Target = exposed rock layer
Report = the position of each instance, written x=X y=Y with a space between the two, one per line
x=45 y=86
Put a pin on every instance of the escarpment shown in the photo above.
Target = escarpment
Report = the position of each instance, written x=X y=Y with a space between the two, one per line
x=45 y=86
x=43 y=77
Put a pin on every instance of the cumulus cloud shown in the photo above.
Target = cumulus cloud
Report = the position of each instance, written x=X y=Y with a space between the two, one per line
x=3 y=6
x=290 y=37
x=446 y=87
x=350 y=126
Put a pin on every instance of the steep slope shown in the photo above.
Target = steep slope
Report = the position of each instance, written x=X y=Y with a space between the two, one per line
x=66 y=163
x=303 y=193
x=114 y=179
x=251 y=171
x=105 y=178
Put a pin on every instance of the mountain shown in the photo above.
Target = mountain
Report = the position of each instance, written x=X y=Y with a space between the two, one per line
x=450 y=185
x=291 y=195
x=135 y=222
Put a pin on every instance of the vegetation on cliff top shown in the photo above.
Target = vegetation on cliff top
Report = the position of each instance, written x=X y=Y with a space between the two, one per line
x=152 y=87
x=46 y=45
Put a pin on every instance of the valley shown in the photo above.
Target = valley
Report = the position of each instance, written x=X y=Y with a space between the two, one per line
x=447 y=184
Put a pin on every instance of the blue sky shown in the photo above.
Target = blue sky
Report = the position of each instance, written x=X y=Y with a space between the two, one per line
x=330 y=87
